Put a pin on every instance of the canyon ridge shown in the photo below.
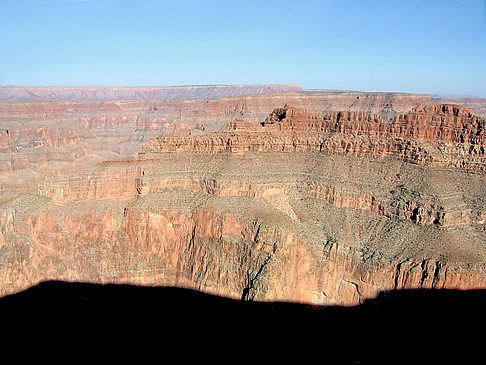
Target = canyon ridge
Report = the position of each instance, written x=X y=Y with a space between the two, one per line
x=253 y=192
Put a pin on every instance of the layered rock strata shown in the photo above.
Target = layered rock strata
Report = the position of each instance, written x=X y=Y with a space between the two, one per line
x=79 y=93
x=283 y=210
x=442 y=135
x=39 y=139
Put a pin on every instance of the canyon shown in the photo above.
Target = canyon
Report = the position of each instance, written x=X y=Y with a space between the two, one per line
x=325 y=198
x=43 y=138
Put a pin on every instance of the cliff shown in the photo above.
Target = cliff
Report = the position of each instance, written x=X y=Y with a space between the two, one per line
x=80 y=93
x=441 y=135
x=444 y=122
x=476 y=104
x=307 y=206
x=41 y=139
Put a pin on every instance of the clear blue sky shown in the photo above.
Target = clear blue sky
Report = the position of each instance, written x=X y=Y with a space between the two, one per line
x=426 y=46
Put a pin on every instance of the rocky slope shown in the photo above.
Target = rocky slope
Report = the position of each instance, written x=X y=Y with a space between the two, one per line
x=307 y=206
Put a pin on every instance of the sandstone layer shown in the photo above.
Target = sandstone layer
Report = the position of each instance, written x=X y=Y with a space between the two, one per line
x=39 y=139
x=307 y=206
x=435 y=135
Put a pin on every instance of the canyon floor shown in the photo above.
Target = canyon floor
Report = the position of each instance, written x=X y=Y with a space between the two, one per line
x=320 y=198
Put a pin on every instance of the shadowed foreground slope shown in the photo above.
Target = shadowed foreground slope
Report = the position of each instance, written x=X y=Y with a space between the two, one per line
x=404 y=324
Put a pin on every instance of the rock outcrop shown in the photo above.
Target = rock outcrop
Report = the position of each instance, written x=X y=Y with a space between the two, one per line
x=307 y=206
x=445 y=122
x=40 y=139
x=442 y=135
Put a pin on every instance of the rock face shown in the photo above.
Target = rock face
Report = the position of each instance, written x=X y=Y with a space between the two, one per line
x=444 y=122
x=476 y=104
x=307 y=206
x=45 y=139
x=442 y=135
x=66 y=93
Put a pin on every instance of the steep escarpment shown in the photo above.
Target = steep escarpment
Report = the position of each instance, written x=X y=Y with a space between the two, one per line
x=424 y=196
x=444 y=122
x=52 y=138
x=120 y=184
x=233 y=246
x=476 y=104
x=443 y=135
x=307 y=206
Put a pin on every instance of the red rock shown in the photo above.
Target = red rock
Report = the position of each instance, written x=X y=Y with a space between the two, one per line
x=312 y=206
x=351 y=133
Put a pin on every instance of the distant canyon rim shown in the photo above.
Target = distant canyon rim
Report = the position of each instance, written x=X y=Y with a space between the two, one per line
x=255 y=192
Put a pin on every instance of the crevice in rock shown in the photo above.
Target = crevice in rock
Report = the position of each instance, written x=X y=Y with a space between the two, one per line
x=256 y=237
x=247 y=291
x=397 y=274
x=438 y=267
x=356 y=286
x=425 y=273
x=192 y=238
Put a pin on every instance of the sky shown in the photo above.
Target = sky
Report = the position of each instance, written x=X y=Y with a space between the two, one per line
x=419 y=46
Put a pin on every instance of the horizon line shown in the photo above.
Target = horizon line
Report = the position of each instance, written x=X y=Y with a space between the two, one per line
x=432 y=95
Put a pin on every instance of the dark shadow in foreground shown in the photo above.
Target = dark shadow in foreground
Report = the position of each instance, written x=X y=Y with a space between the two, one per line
x=402 y=323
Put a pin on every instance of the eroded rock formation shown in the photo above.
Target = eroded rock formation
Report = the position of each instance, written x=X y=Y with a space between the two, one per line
x=442 y=135
x=307 y=206
x=52 y=138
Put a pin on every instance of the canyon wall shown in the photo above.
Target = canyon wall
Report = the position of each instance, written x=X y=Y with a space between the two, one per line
x=80 y=93
x=312 y=206
x=476 y=104
x=219 y=252
x=51 y=138
x=438 y=135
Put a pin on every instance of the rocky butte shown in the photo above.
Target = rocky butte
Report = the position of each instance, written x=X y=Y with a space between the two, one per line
x=306 y=205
